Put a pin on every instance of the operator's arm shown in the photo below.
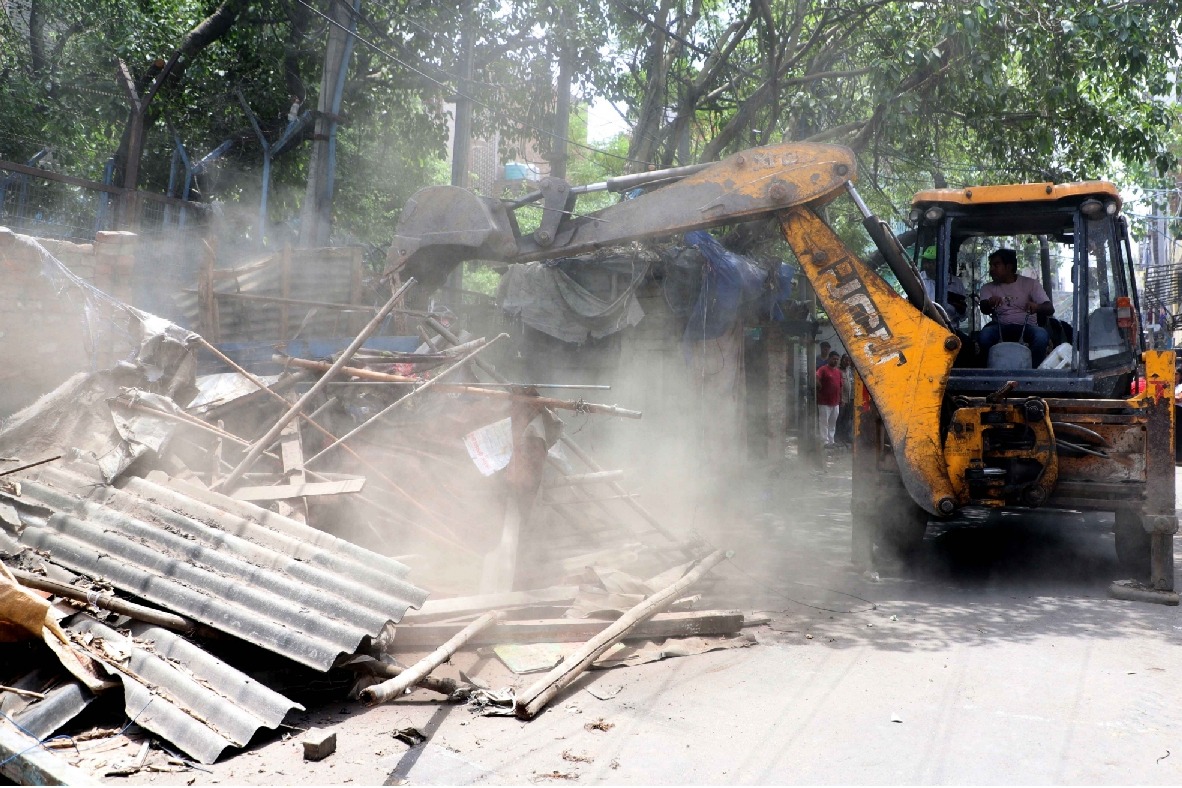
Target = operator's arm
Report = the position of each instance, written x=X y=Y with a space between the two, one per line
x=1046 y=308
x=988 y=302
x=1040 y=302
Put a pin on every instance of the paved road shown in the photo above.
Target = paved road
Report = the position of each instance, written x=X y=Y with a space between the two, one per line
x=997 y=660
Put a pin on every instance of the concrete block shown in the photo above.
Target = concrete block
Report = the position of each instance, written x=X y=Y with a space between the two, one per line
x=319 y=744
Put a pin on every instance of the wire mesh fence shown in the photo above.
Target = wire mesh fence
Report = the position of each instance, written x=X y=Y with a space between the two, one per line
x=47 y=205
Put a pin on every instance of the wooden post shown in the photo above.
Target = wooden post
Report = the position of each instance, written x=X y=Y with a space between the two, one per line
x=207 y=298
x=567 y=441
x=285 y=290
x=778 y=385
x=291 y=450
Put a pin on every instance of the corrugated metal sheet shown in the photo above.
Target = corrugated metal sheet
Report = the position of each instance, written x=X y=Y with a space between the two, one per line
x=269 y=580
x=41 y=717
x=175 y=689
x=328 y=275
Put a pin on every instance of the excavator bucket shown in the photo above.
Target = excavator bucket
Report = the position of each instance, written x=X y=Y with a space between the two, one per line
x=442 y=226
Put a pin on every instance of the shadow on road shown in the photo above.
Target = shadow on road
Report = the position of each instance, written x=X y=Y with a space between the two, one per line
x=984 y=577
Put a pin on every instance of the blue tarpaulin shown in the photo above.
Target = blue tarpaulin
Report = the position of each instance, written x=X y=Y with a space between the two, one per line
x=732 y=282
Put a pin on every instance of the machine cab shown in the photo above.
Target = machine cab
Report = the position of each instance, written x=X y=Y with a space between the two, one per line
x=1073 y=241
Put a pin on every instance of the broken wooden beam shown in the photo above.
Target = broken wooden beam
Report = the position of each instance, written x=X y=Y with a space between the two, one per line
x=25 y=762
x=395 y=687
x=412 y=637
x=535 y=698
x=435 y=609
x=448 y=687
x=280 y=492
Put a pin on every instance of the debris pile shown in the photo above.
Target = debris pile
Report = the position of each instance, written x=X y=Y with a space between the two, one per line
x=195 y=551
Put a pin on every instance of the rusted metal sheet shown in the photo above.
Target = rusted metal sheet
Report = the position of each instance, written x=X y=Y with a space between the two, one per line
x=230 y=565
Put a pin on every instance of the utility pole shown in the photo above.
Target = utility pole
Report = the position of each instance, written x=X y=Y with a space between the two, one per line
x=558 y=153
x=461 y=146
x=316 y=213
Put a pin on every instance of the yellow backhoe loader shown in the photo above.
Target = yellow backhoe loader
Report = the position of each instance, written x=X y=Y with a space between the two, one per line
x=939 y=425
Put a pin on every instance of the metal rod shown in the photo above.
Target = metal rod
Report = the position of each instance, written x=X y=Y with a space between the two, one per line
x=31 y=465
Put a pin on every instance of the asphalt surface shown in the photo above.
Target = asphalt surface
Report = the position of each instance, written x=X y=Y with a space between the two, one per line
x=996 y=659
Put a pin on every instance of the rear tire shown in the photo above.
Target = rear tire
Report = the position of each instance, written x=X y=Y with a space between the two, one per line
x=1133 y=544
x=901 y=532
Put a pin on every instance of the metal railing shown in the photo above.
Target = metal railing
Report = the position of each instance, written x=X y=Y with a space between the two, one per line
x=48 y=204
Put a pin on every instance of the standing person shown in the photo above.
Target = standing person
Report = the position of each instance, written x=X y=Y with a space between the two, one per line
x=822 y=354
x=828 y=397
x=1015 y=302
x=845 y=416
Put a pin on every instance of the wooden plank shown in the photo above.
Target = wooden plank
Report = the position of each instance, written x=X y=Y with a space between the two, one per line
x=25 y=762
x=534 y=698
x=471 y=605
x=281 y=491
x=570 y=630
x=292 y=453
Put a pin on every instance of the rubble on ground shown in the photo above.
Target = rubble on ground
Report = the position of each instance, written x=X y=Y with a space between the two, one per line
x=183 y=556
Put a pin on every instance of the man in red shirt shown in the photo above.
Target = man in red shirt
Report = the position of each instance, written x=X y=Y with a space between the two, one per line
x=828 y=397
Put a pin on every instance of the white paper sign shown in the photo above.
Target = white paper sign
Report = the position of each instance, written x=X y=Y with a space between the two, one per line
x=491 y=447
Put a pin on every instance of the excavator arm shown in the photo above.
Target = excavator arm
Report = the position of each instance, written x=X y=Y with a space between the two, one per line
x=900 y=347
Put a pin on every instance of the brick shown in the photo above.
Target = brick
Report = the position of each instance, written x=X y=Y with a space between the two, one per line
x=319 y=744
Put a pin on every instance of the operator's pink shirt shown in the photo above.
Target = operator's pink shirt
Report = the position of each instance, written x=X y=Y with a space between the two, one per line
x=1014 y=298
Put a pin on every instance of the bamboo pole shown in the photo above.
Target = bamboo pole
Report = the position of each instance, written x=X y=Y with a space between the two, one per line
x=107 y=601
x=395 y=687
x=448 y=687
x=466 y=388
x=264 y=442
x=534 y=699
x=400 y=402
x=377 y=472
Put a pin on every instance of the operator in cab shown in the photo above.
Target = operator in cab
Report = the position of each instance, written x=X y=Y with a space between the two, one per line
x=1015 y=303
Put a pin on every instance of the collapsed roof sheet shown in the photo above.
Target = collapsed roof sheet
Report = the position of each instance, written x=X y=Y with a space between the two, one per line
x=175 y=689
x=269 y=580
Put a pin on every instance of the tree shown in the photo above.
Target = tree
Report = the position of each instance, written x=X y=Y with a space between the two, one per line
x=1027 y=89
